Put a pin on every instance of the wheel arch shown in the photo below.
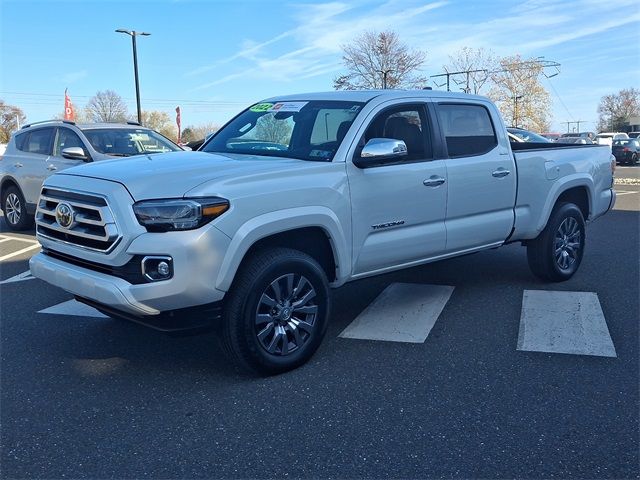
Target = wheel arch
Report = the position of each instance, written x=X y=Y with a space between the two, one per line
x=316 y=233
x=577 y=190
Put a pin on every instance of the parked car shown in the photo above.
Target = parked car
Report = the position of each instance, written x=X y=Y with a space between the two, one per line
x=575 y=140
x=626 y=150
x=250 y=232
x=634 y=134
x=607 y=138
x=43 y=148
x=585 y=135
x=527 y=136
x=551 y=136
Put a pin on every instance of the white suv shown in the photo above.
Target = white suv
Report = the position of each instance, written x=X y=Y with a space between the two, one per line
x=43 y=148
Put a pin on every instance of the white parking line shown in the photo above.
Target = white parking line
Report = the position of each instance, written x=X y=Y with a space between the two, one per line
x=403 y=312
x=624 y=192
x=19 y=278
x=19 y=252
x=564 y=322
x=73 y=308
x=5 y=239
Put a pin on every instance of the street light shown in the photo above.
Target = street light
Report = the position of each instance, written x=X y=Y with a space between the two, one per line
x=133 y=35
x=384 y=77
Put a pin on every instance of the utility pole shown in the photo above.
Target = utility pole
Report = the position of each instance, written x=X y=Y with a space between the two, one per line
x=515 y=109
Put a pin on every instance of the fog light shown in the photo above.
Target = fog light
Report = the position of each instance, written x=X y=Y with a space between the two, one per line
x=163 y=269
x=157 y=268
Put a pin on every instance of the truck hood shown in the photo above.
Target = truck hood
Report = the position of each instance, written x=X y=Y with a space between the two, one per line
x=172 y=175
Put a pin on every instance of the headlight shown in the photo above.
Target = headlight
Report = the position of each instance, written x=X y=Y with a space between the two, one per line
x=178 y=214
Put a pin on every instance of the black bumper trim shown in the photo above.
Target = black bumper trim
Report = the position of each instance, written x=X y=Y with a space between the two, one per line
x=185 y=320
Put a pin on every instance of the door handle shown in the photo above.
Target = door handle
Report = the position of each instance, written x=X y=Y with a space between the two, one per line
x=52 y=167
x=433 y=181
x=501 y=172
x=18 y=165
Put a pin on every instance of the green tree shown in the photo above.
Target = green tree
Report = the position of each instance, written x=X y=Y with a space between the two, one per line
x=379 y=60
x=615 y=109
x=10 y=117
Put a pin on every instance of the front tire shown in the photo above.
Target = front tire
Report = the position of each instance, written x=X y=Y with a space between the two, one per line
x=556 y=253
x=15 y=210
x=276 y=312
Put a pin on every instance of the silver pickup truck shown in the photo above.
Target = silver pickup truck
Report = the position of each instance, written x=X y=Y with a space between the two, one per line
x=302 y=193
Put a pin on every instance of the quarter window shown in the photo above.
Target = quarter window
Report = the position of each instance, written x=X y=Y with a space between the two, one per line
x=468 y=129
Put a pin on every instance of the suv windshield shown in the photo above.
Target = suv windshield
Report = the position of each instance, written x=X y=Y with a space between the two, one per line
x=124 y=142
x=305 y=130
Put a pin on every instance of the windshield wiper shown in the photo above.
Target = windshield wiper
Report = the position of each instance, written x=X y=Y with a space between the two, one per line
x=119 y=154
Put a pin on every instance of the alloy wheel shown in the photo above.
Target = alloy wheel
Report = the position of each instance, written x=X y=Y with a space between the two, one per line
x=567 y=243
x=286 y=314
x=13 y=208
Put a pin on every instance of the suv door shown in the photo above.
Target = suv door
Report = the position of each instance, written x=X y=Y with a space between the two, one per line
x=398 y=209
x=34 y=154
x=481 y=176
x=65 y=138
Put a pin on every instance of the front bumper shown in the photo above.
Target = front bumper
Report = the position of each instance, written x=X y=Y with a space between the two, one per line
x=197 y=256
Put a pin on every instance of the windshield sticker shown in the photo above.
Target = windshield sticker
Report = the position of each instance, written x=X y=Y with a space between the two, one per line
x=261 y=107
x=287 y=107
x=320 y=153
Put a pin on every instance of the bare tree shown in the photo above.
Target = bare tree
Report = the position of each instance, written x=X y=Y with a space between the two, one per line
x=615 y=109
x=478 y=65
x=10 y=117
x=198 y=132
x=519 y=94
x=380 y=60
x=271 y=130
x=107 y=106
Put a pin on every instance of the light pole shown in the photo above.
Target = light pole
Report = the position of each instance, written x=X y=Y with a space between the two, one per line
x=515 y=109
x=384 y=77
x=133 y=35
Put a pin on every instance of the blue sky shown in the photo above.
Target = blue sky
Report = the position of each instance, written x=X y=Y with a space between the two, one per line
x=213 y=58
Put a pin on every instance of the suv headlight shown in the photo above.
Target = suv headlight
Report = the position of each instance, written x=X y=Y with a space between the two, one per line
x=178 y=214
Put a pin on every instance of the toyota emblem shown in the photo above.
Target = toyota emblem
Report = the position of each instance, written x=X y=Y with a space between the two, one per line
x=64 y=215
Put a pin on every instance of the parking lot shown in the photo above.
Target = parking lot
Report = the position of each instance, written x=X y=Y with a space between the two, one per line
x=86 y=396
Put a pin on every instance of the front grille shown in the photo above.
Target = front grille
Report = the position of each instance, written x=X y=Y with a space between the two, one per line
x=93 y=226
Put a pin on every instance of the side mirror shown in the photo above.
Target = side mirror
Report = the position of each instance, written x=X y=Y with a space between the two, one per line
x=74 y=153
x=379 y=151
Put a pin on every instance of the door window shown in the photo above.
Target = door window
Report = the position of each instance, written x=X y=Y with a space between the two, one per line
x=407 y=123
x=39 y=141
x=468 y=129
x=66 y=138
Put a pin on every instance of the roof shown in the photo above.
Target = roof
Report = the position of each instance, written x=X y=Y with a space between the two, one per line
x=366 y=95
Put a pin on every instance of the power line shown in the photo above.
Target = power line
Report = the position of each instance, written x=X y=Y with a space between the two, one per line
x=563 y=104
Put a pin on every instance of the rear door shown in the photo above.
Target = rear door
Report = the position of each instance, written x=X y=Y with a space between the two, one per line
x=398 y=209
x=481 y=176
x=34 y=154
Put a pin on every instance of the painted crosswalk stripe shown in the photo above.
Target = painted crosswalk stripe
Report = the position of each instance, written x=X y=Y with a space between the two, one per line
x=403 y=312
x=564 y=322
x=73 y=308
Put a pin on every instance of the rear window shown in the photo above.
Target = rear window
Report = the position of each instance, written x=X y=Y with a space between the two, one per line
x=467 y=128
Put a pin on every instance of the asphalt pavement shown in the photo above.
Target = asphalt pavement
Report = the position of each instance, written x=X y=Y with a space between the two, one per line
x=87 y=397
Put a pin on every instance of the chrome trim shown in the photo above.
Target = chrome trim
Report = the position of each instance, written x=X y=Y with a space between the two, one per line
x=107 y=220
x=156 y=257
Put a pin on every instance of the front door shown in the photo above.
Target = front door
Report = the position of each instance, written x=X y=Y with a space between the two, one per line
x=398 y=210
x=65 y=138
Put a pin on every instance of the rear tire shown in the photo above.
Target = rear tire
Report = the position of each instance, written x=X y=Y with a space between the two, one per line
x=556 y=253
x=15 y=210
x=276 y=312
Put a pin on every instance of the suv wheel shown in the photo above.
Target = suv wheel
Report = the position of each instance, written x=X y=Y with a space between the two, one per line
x=15 y=210
x=276 y=312
x=556 y=253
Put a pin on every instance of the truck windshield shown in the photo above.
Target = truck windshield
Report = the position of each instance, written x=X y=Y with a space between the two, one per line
x=305 y=130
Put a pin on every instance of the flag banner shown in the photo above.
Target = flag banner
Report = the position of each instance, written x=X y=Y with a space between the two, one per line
x=69 y=112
